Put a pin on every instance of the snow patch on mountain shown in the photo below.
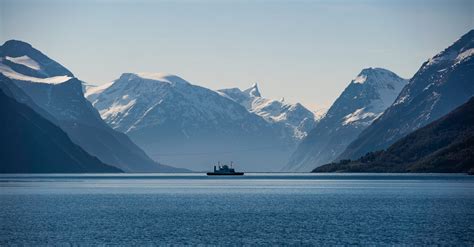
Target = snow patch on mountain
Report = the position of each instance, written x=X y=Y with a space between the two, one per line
x=359 y=116
x=402 y=99
x=117 y=108
x=360 y=79
x=454 y=56
x=12 y=74
x=253 y=91
x=92 y=91
x=25 y=61
x=464 y=55
x=442 y=57
x=160 y=77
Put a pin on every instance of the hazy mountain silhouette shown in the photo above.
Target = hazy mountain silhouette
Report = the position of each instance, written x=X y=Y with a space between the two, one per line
x=32 y=144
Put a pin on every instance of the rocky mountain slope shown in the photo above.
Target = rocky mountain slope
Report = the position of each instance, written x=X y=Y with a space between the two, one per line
x=294 y=118
x=446 y=145
x=32 y=144
x=186 y=125
x=57 y=92
x=363 y=100
x=443 y=83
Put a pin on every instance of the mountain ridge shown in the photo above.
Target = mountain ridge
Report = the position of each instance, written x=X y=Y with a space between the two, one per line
x=445 y=145
x=33 y=144
x=441 y=84
x=362 y=101
x=295 y=118
x=56 y=91
x=167 y=118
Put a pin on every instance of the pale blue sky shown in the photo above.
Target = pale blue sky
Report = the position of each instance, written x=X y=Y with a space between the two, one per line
x=305 y=51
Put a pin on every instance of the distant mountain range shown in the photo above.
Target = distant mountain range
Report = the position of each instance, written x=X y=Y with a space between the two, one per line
x=32 y=144
x=446 y=145
x=62 y=124
x=57 y=95
x=190 y=126
x=294 y=118
x=364 y=99
x=443 y=83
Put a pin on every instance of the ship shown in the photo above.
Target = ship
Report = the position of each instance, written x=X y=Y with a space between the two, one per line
x=224 y=170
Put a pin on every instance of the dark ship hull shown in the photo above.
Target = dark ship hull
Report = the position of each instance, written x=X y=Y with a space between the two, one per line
x=224 y=174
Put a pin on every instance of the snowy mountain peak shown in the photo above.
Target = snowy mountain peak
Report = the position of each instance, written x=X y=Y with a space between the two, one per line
x=253 y=90
x=295 y=118
x=20 y=61
x=372 y=70
x=374 y=76
x=159 y=77
x=364 y=100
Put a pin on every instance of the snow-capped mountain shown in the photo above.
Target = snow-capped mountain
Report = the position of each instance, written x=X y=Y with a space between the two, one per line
x=295 y=118
x=186 y=125
x=444 y=146
x=57 y=92
x=443 y=83
x=363 y=101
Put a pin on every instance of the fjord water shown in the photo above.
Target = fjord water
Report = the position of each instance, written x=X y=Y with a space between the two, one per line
x=280 y=209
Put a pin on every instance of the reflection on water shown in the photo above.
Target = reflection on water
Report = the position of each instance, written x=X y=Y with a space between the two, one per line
x=254 y=209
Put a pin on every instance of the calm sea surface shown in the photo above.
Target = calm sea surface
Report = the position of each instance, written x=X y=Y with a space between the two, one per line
x=275 y=209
